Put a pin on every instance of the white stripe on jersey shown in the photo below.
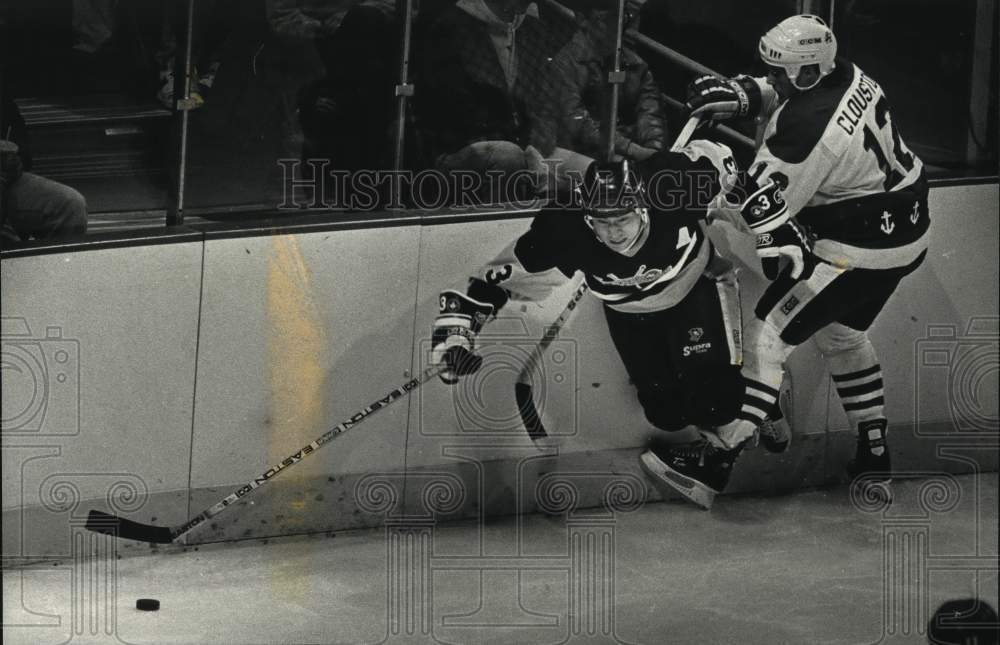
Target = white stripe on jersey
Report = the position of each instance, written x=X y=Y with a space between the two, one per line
x=673 y=293
x=846 y=256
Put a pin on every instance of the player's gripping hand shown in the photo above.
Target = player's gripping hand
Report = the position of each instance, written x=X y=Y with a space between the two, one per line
x=453 y=341
x=719 y=99
x=790 y=241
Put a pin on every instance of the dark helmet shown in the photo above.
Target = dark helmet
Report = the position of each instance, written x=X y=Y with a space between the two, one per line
x=609 y=189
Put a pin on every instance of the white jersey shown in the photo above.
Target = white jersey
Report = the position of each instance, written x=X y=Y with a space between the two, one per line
x=848 y=176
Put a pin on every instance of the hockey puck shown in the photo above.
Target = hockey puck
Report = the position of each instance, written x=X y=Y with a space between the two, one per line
x=147 y=604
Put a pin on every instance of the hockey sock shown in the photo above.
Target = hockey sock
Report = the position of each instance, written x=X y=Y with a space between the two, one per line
x=762 y=373
x=856 y=374
x=861 y=393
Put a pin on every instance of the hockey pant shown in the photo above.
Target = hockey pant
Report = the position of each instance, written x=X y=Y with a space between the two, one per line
x=685 y=361
x=835 y=307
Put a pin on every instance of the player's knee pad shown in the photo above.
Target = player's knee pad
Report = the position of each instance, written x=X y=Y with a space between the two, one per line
x=713 y=397
x=762 y=344
x=839 y=339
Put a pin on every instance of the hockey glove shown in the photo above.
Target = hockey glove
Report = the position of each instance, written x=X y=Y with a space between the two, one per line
x=453 y=341
x=790 y=241
x=723 y=98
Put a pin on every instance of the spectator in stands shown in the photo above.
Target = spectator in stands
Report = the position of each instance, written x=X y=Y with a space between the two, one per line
x=485 y=78
x=314 y=20
x=93 y=24
x=213 y=21
x=347 y=115
x=968 y=621
x=31 y=206
x=585 y=96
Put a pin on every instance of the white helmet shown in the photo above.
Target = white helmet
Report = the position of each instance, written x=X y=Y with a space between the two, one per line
x=799 y=41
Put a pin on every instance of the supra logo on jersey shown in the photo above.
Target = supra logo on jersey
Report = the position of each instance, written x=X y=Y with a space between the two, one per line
x=695 y=334
x=642 y=277
x=699 y=348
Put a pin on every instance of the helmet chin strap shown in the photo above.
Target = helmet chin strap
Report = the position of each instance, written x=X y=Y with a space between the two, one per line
x=803 y=88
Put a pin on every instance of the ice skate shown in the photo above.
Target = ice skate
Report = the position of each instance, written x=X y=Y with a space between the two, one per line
x=871 y=469
x=775 y=432
x=698 y=470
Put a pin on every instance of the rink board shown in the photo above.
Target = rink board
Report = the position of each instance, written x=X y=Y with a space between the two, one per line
x=202 y=362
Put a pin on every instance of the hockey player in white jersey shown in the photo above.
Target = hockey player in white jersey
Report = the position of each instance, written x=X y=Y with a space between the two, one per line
x=671 y=303
x=859 y=195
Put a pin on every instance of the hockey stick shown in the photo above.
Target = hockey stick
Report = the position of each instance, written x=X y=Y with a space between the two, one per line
x=685 y=133
x=113 y=525
x=523 y=392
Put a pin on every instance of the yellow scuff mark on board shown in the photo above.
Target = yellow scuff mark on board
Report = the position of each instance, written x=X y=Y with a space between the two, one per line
x=297 y=345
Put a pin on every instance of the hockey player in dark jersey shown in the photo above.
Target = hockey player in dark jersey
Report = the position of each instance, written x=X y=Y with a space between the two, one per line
x=671 y=303
x=860 y=195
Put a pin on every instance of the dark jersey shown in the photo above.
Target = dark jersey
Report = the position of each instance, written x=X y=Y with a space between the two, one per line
x=675 y=253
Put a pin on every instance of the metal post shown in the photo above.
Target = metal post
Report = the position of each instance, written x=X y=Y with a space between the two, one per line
x=404 y=89
x=182 y=72
x=615 y=77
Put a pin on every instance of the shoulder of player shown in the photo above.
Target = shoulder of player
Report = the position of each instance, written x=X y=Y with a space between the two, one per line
x=554 y=237
x=804 y=118
x=686 y=180
x=559 y=225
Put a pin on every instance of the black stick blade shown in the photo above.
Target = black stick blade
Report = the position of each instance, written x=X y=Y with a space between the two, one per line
x=528 y=411
x=100 y=522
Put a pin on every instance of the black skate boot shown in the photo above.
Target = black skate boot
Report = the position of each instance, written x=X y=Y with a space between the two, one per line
x=871 y=469
x=698 y=470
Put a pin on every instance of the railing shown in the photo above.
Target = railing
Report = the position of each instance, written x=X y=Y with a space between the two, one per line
x=673 y=56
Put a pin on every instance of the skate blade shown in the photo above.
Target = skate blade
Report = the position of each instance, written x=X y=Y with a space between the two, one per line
x=691 y=489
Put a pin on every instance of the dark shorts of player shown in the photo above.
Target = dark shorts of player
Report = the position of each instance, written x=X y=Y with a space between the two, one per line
x=685 y=361
x=854 y=298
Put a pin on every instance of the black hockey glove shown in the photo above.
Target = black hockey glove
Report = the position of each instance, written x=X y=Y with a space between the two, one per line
x=719 y=99
x=790 y=241
x=453 y=341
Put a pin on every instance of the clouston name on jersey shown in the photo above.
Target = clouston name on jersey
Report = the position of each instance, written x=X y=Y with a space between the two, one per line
x=863 y=97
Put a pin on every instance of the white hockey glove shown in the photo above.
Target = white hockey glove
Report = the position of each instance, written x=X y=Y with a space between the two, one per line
x=790 y=241
x=453 y=341
x=723 y=98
